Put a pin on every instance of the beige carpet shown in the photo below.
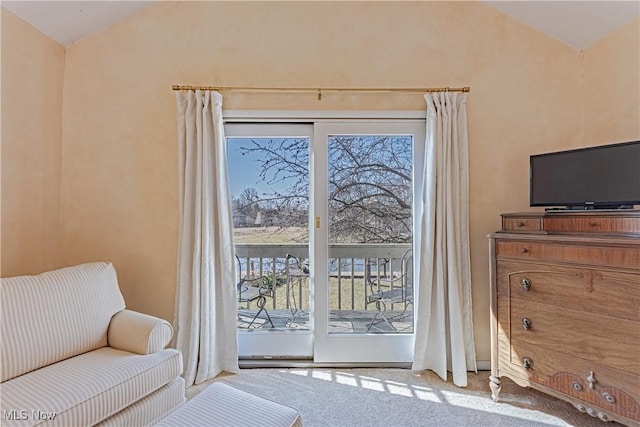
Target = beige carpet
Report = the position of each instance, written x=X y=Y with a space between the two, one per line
x=400 y=397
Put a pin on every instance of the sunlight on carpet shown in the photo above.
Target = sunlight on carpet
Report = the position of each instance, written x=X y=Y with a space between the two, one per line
x=400 y=397
x=369 y=383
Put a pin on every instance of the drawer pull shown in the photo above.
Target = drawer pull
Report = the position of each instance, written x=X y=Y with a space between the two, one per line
x=520 y=224
x=576 y=386
x=593 y=224
x=603 y=417
x=526 y=284
x=527 y=363
x=591 y=379
x=524 y=250
x=526 y=324
x=608 y=397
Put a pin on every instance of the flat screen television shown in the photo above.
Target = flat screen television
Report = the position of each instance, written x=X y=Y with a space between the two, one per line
x=603 y=177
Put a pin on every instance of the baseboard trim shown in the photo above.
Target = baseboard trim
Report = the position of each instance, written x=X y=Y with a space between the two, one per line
x=484 y=365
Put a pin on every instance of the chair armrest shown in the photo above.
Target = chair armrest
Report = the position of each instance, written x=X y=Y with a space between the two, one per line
x=138 y=333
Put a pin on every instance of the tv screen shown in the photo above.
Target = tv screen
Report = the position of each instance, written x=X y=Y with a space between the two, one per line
x=607 y=176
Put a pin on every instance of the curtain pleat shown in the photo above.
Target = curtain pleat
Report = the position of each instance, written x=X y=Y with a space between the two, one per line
x=205 y=306
x=444 y=328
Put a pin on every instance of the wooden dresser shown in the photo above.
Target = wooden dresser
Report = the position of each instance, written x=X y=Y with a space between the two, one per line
x=565 y=308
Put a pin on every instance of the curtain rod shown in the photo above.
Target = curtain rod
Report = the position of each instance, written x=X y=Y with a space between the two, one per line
x=319 y=90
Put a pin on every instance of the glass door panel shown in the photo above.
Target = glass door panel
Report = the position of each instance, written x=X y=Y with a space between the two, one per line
x=364 y=312
x=370 y=233
x=269 y=181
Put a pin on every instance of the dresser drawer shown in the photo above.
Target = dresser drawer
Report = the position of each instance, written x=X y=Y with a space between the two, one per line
x=522 y=224
x=592 y=224
x=613 y=390
x=607 y=292
x=614 y=341
x=581 y=254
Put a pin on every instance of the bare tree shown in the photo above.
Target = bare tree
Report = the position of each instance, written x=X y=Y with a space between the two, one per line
x=284 y=165
x=248 y=200
x=370 y=191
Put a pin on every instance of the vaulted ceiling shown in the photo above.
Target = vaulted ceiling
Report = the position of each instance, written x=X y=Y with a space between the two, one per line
x=579 y=24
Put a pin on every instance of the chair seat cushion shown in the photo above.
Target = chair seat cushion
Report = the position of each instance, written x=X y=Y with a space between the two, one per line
x=86 y=389
x=223 y=405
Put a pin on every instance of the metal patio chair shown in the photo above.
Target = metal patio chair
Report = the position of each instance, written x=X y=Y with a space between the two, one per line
x=296 y=272
x=390 y=289
x=254 y=289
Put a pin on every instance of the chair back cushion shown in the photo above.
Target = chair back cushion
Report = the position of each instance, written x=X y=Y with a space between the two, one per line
x=55 y=315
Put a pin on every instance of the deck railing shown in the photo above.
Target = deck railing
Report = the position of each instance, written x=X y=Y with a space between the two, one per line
x=354 y=269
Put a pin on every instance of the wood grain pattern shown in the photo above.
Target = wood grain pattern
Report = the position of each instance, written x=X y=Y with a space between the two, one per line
x=601 y=290
x=580 y=254
x=522 y=224
x=575 y=332
x=552 y=369
x=566 y=309
x=592 y=224
x=600 y=222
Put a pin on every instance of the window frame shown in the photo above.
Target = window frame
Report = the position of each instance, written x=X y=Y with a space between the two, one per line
x=326 y=348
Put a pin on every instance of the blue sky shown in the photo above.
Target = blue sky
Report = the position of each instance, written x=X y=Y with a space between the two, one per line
x=241 y=173
x=244 y=170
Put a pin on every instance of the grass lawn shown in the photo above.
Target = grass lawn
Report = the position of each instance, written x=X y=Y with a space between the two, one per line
x=341 y=295
x=270 y=235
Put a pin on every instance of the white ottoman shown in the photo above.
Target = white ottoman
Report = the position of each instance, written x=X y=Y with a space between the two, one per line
x=222 y=405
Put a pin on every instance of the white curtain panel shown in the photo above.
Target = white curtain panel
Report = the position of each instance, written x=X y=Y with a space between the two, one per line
x=205 y=307
x=444 y=330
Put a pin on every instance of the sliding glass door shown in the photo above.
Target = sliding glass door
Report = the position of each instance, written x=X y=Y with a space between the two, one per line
x=324 y=230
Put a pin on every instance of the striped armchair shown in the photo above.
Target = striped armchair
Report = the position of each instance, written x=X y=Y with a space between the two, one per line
x=72 y=354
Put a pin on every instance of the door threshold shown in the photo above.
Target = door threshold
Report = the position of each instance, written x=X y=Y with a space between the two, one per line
x=309 y=363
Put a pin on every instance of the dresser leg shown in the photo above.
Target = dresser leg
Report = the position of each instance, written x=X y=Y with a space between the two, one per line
x=494 y=385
